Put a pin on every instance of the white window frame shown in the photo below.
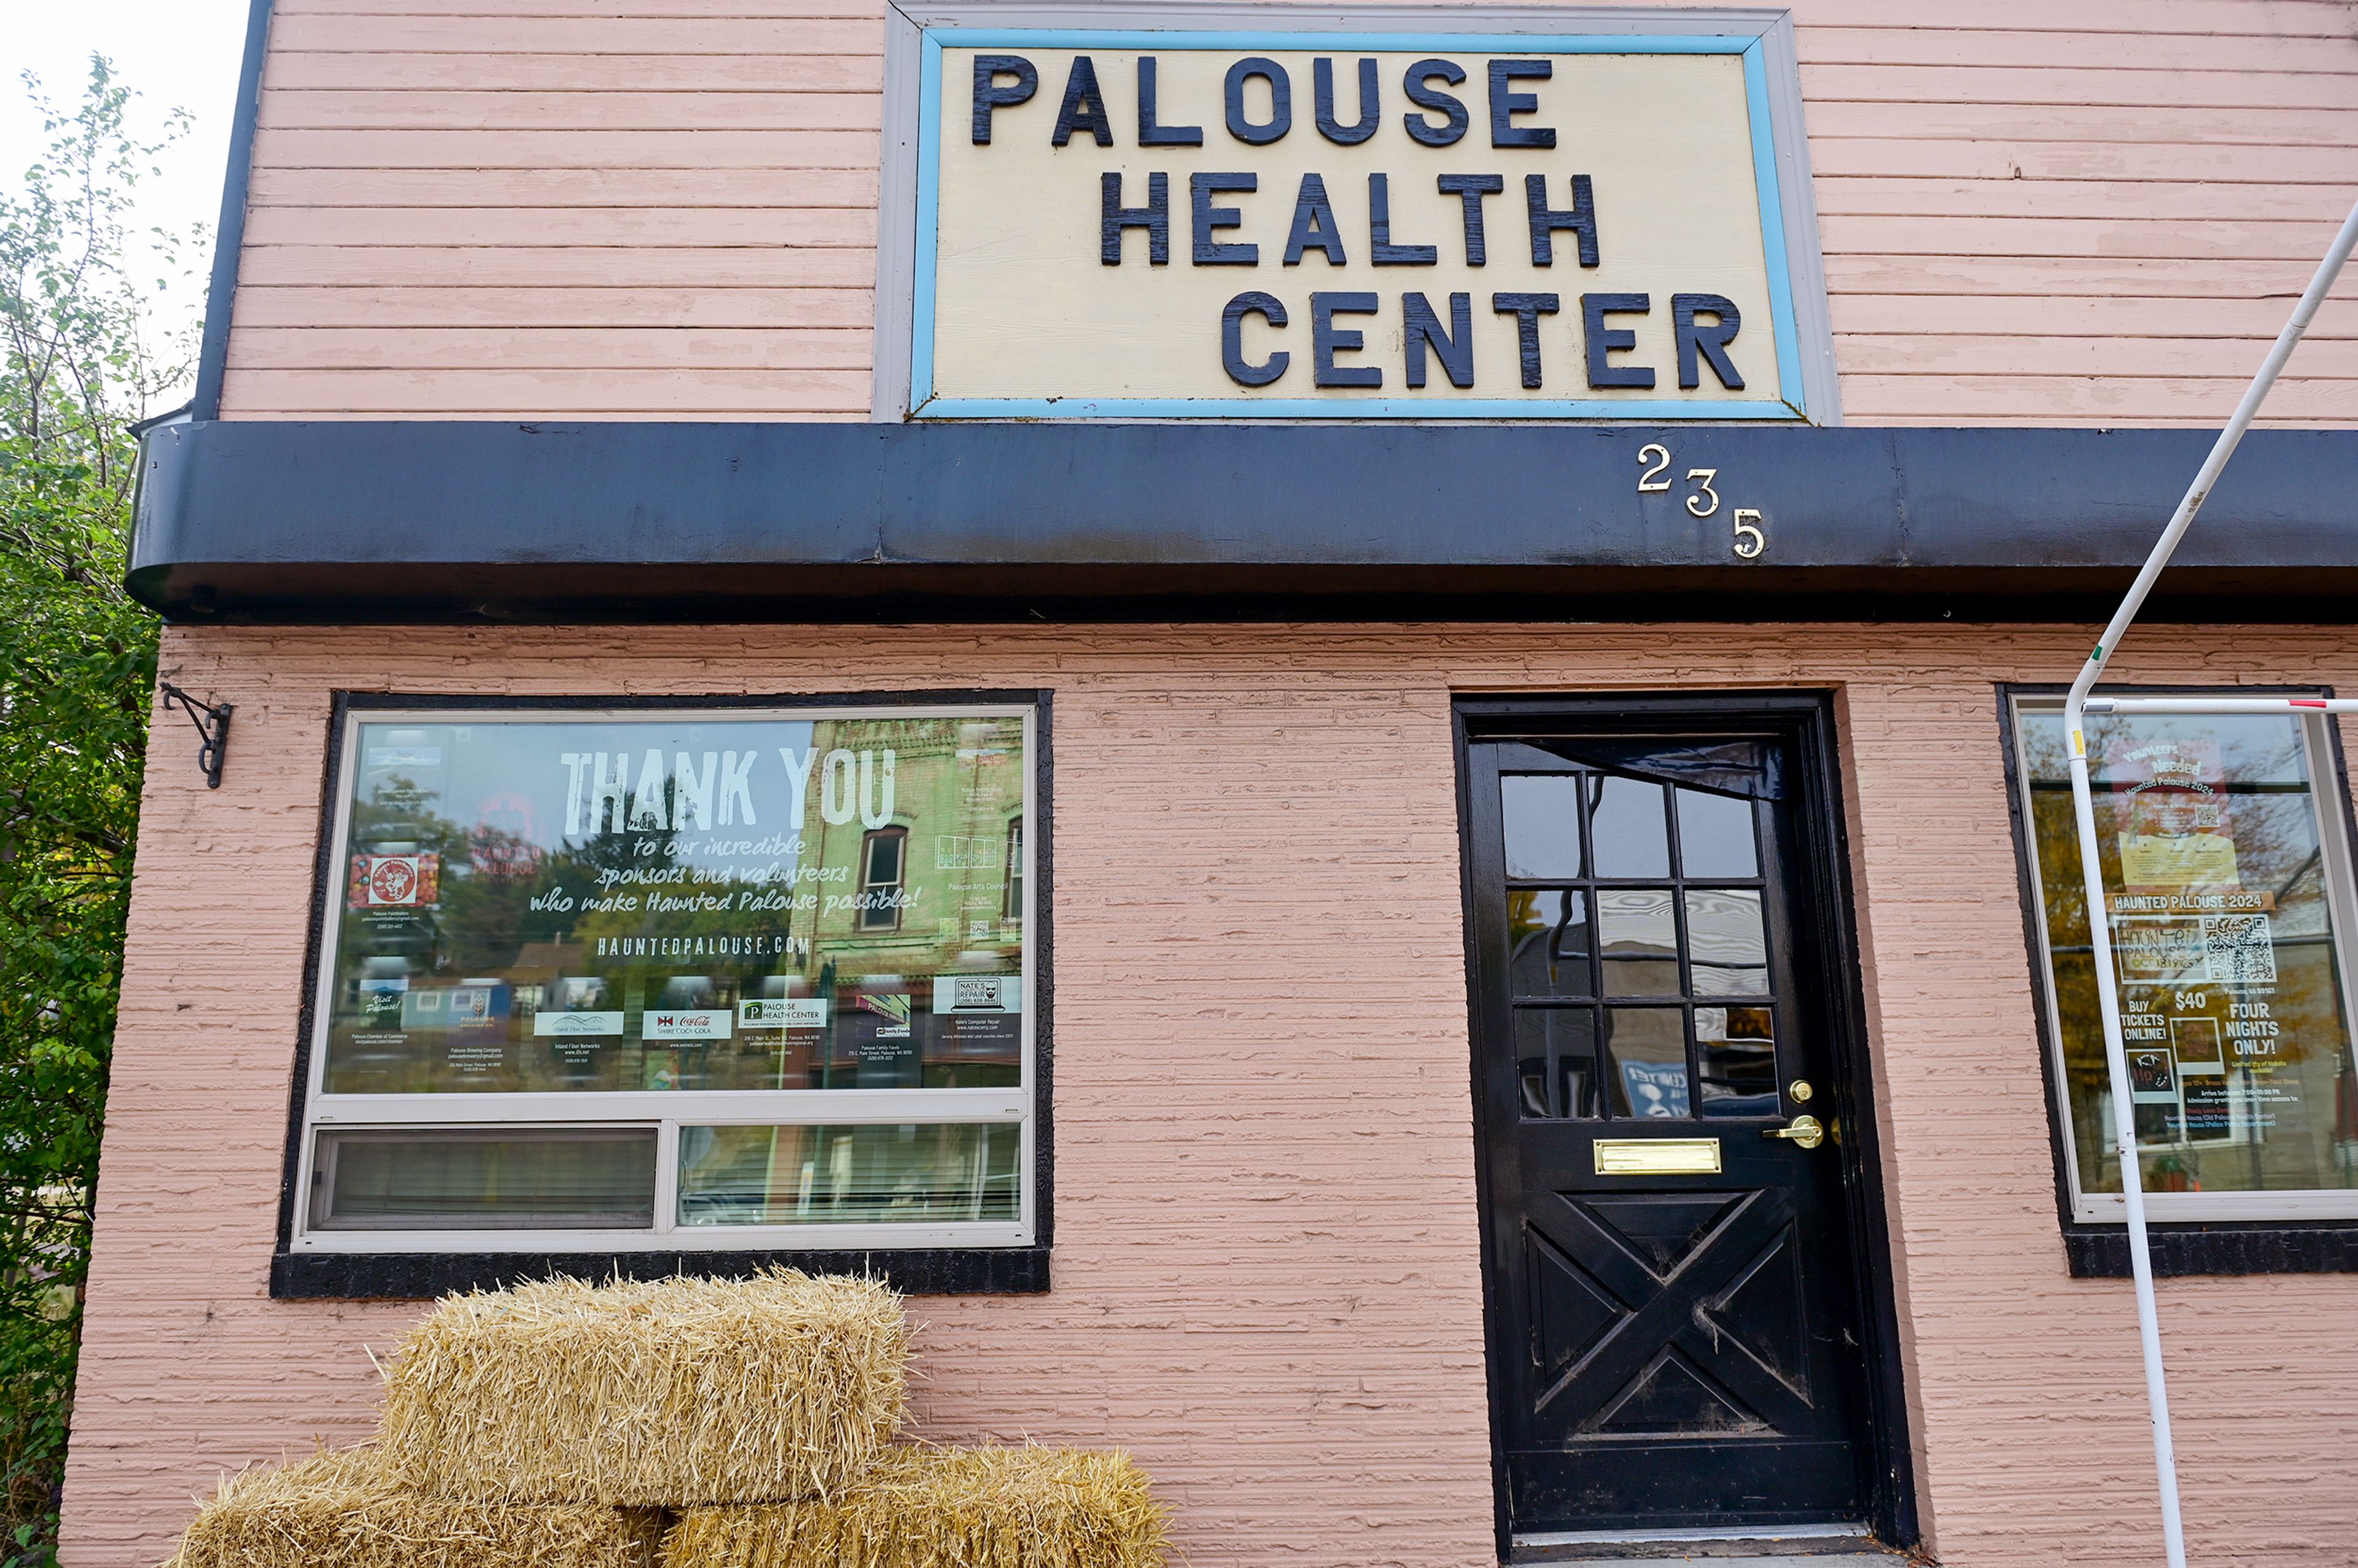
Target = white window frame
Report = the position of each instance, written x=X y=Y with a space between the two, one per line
x=2329 y=794
x=666 y=1113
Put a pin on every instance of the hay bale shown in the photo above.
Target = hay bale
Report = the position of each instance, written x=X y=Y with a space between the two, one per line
x=343 y=1508
x=946 y=1507
x=649 y=1395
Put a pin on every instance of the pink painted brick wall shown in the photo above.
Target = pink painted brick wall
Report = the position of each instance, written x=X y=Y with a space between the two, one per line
x=1266 y=1272
x=2033 y=214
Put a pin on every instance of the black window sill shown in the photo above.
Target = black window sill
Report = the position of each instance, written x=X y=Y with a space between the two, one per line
x=422 y=1276
x=2102 y=1252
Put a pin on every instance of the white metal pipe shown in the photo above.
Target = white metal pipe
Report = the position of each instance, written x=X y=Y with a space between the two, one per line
x=2103 y=705
x=2220 y=451
x=2116 y=1067
x=2084 y=807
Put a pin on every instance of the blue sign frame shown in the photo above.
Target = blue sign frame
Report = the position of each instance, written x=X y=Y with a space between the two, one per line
x=924 y=404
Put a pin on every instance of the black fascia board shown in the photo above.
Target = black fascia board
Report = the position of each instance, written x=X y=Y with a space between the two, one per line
x=419 y=520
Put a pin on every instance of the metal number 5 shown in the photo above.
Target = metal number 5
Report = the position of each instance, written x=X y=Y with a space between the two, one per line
x=1749 y=540
x=1651 y=482
x=1706 y=476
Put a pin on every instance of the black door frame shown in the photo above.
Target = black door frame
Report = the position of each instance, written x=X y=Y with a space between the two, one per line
x=1807 y=716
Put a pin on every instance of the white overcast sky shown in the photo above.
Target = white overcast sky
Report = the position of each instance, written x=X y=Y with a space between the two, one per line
x=175 y=53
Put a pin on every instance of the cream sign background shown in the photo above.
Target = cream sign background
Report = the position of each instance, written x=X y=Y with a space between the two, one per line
x=1130 y=224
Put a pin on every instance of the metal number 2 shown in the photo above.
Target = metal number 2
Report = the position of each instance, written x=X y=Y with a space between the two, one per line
x=1749 y=540
x=1706 y=476
x=1651 y=482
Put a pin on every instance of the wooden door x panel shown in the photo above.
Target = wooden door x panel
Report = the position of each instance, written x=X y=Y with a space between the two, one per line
x=1705 y=1338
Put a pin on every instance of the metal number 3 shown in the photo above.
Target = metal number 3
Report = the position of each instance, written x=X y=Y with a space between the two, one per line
x=1703 y=489
x=1751 y=538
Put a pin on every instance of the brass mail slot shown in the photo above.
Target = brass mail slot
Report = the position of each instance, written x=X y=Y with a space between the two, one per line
x=1657 y=1156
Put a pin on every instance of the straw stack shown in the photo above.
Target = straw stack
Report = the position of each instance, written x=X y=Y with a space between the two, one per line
x=929 y=1508
x=649 y=1395
x=340 y=1509
x=561 y=1425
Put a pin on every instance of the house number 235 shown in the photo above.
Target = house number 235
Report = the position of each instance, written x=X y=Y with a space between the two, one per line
x=1748 y=537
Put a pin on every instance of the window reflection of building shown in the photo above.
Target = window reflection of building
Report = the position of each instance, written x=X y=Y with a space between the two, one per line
x=883 y=866
x=948 y=867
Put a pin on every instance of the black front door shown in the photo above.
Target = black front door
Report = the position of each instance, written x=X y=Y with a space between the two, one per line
x=1677 y=1338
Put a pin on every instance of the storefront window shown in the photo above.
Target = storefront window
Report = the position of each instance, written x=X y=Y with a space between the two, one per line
x=2228 y=892
x=623 y=973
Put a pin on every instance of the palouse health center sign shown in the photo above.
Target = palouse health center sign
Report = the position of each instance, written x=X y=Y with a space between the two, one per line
x=1176 y=222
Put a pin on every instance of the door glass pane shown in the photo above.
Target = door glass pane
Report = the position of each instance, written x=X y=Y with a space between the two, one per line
x=590 y=1178
x=1548 y=944
x=1715 y=836
x=1646 y=1061
x=1632 y=835
x=1736 y=1050
x=1541 y=818
x=1728 y=949
x=1639 y=935
x=1556 y=1048
x=2224 y=944
x=843 y=1175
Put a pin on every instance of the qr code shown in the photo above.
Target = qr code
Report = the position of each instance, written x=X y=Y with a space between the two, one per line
x=2239 y=948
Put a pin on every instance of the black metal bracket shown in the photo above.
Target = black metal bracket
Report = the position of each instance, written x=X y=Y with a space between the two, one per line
x=212 y=720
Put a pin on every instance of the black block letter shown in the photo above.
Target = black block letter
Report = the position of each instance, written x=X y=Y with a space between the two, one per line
x=1084 y=107
x=1209 y=251
x=1527 y=309
x=1232 y=334
x=1150 y=135
x=1380 y=230
x=1505 y=102
x=989 y=95
x=1545 y=220
x=1155 y=218
x=1470 y=189
x=1602 y=340
x=1280 y=101
x=1420 y=327
x=1414 y=83
x=1371 y=112
x=1326 y=339
x=1711 y=340
x=1313 y=225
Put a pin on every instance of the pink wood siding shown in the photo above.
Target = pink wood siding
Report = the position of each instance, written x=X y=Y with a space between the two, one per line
x=1266 y=1269
x=2090 y=213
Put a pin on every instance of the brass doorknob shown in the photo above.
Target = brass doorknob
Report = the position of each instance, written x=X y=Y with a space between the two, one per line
x=1805 y=1130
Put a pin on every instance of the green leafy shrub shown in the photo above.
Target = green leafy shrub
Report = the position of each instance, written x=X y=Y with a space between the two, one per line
x=82 y=363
